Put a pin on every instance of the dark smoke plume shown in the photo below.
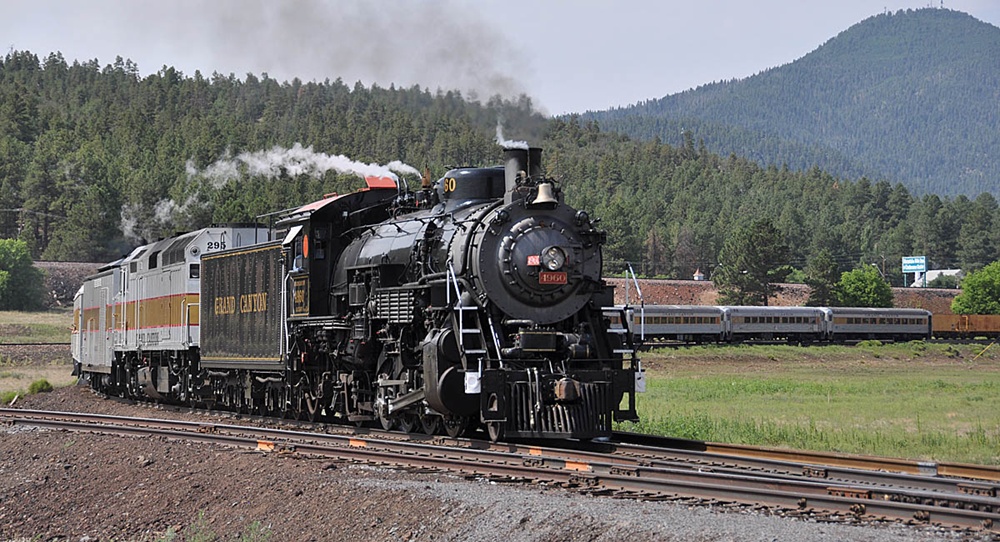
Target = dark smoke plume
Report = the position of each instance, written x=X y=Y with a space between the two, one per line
x=437 y=44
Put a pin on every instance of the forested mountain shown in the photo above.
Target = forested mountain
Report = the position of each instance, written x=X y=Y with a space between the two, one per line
x=910 y=97
x=90 y=154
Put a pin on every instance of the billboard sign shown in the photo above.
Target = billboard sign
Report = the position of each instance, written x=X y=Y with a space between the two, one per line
x=914 y=264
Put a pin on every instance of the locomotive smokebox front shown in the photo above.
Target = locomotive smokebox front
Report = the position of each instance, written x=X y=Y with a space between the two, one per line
x=536 y=257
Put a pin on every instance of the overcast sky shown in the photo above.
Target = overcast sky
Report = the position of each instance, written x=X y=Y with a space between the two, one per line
x=567 y=55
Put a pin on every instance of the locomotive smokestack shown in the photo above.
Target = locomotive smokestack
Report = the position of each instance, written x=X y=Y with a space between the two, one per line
x=515 y=162
x=520 y=162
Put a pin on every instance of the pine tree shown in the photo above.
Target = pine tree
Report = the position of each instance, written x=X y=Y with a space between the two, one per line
x=752 y=261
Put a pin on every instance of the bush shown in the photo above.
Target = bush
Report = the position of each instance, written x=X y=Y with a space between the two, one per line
x=22 y=285
x=39 y=386
x=980 y=292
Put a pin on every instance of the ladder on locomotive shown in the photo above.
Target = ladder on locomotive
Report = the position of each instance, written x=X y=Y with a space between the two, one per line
x=620 y=320
x=466 y=321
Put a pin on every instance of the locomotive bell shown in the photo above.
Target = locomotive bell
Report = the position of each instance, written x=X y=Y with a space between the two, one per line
x=544 y=196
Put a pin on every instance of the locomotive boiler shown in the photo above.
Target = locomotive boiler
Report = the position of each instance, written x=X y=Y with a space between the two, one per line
x=473 y=302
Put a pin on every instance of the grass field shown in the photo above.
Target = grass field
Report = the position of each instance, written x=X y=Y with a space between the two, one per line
x=20 y=366
x=35 y=327
x=913 y=400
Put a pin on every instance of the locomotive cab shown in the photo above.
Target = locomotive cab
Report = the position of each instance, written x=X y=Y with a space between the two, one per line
x=315 y=235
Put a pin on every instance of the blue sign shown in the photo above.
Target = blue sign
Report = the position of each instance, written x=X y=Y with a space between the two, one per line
x=914 y=264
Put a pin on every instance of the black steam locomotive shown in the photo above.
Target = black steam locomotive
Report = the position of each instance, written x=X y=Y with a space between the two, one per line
x=473 y=302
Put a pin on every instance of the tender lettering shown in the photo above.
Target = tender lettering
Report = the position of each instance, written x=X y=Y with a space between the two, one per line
x=245 y=304
x=225 y=305
x=253 y=302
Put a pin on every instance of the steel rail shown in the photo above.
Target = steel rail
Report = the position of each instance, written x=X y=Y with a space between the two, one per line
x=638 y=481
x=825 y=459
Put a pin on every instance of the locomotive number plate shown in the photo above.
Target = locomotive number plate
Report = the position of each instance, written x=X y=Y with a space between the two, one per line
x=552 y=277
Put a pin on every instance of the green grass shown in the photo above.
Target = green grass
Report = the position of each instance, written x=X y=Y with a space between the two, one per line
x=913 y=400
x=38 y=386
x=51 y=326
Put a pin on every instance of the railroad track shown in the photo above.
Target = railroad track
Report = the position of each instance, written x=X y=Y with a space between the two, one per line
x=644 y=470
x=834 y=465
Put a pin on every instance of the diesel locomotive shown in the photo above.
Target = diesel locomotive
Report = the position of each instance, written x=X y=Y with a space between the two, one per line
x=472 y=303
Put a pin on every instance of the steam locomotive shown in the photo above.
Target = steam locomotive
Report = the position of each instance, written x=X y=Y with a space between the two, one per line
x=475 y=302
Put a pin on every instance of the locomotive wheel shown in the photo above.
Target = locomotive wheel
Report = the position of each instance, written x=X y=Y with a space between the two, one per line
x=494 y=430
x=382 y=398
x=430 y=424
x=297 y=407
x=388 y=423
x=455 y=426
x=408 y=422
x=313 y=407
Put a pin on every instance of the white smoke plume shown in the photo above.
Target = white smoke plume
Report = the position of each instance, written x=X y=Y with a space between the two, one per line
x=163 y=220
x=129 y=224
x=293 y=162
x=508 y=144
x=274 y=163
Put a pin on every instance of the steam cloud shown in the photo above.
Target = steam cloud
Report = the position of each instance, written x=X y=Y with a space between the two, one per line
x=292 y=162
x=274 y=163
x=506 y=143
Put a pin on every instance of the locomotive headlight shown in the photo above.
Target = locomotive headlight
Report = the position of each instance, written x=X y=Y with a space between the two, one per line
x=553 y=258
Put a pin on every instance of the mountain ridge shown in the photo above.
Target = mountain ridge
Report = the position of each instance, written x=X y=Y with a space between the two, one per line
x=908 y=97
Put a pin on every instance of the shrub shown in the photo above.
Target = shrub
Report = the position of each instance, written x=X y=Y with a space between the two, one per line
x=22 y=285
x=39 y=386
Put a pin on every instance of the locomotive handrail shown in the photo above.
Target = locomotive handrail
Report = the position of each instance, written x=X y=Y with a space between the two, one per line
x=496 y=340
x=453 y=282
x=630 y=273
x=186 y=323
